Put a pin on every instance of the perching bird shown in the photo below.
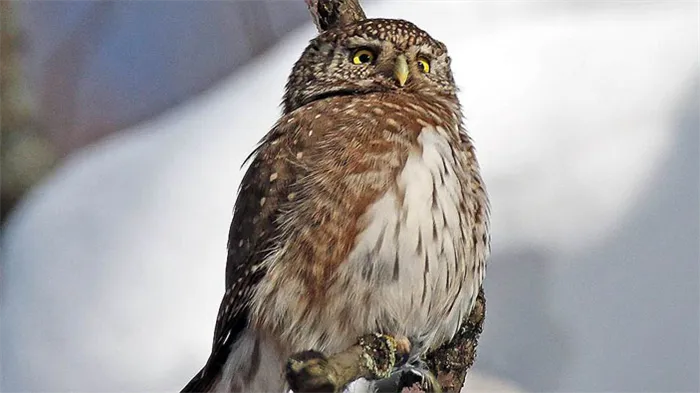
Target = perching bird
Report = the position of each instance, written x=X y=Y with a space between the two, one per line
x=362 y=210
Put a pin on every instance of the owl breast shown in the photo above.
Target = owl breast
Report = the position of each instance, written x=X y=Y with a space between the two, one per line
x=387 y=230
x=415 y=261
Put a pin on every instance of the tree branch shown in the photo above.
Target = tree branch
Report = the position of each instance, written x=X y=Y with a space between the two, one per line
x=452 y=360
x=329 y=14
x=373 y=357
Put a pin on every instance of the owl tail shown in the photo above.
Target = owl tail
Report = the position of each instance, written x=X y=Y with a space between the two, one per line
x=209 y=377
x=250 y=364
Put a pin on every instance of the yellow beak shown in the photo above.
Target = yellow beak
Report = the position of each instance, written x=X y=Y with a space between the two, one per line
x=401 y=70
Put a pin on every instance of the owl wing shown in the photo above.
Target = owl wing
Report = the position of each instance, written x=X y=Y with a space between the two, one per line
x=251 y=237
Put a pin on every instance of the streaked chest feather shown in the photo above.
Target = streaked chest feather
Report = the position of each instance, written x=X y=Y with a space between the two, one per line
x=414 y=254
x=414 y=266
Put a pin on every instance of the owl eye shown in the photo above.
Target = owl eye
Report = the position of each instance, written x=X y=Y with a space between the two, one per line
x=423 y=65
x=363 y=56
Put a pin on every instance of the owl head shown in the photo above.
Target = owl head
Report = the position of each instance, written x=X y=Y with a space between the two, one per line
x=369 y=56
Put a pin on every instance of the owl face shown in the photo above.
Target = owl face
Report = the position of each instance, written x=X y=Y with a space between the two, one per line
x=373 y=55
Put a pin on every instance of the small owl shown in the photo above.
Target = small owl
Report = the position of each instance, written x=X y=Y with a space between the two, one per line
x=362 y=210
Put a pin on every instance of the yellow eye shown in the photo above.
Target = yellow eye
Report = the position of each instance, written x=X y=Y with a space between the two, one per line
x=363 y=56
x=423 y=65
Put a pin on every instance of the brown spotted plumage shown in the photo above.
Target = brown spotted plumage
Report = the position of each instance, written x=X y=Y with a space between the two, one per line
x=362 y=210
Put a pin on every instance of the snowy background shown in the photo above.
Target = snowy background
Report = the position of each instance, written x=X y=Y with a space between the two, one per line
x=585 y=116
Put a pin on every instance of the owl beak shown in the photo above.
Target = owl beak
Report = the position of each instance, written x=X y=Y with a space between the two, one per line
x=401 y=70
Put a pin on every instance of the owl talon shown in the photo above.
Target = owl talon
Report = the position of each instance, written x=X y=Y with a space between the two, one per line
x=414 y=378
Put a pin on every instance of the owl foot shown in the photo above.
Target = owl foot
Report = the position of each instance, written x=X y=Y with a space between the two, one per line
x=409 y=379
x=373 y=357
x=416 y=380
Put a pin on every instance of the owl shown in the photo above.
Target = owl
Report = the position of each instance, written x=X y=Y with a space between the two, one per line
x=362 y=210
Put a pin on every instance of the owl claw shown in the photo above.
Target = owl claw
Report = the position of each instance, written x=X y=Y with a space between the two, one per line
x=418 y=380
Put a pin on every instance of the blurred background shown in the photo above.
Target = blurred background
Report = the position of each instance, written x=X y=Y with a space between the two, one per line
x=124 y=125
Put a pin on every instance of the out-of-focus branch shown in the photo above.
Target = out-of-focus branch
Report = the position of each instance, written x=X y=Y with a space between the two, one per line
x=70 y=59
x=329 y=14
x=25 y=154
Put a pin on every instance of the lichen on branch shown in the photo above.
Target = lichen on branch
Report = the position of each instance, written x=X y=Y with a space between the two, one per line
x=374 y=356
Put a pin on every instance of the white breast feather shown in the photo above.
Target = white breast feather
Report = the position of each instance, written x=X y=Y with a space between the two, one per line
x=428 y=236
